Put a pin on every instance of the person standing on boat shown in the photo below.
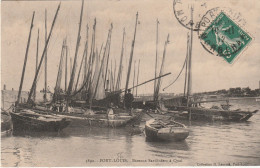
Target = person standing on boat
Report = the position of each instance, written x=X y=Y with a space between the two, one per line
x=184 y=101
x=129 y=98
x=61 y=107
x=110 y=112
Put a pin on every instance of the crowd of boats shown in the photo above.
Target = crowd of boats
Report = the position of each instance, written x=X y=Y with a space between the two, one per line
x=94 y=97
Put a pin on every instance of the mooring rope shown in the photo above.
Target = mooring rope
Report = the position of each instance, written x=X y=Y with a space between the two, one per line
x=177 y=76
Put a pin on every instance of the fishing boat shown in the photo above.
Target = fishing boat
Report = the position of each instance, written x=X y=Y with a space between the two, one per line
x=85 y=101
x=189 y=107
x=24 y=116
x=156 y=129
x=96 y=117
x=29 y=120
x=195 y=111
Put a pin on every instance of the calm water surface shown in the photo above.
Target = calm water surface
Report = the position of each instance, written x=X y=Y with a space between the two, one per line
x=208 y=144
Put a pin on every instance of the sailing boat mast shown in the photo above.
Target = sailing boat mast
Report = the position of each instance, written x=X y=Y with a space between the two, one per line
x=137 y=75
x=134 y=78
x=120 y=65
x=189 y=89
x=43 y=54
x=161 y=70
x=66 y=64
x=76 y=53
x=108 y=57
x=131 y=56
x=45 y=72
x=25 y=60
x=91 y=57
x=58 y=80
x=111 y=77
x=36 y=64
x=84 y=55
x=103 y=59
x=156 y=59
x=114 y=82
x=186 y=65
x=70 y=66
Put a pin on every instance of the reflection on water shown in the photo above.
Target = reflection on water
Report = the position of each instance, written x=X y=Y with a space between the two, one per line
x=208 y=143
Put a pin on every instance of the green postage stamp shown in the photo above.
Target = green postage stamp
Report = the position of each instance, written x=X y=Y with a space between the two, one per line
x=225 y=38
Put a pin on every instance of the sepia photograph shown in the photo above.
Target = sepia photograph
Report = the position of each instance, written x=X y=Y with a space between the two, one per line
x=88 y=83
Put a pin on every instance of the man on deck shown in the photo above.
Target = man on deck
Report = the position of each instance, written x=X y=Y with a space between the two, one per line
x=129 y=98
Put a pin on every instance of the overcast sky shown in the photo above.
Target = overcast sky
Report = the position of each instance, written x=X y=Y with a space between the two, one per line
x=209 y=72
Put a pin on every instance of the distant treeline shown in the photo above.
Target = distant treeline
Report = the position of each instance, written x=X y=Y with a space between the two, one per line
x=234 y=92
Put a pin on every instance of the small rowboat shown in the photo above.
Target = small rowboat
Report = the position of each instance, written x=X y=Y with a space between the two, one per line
x=167 y=131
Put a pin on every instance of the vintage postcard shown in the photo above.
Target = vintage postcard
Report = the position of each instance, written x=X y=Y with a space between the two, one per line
x=130 y=83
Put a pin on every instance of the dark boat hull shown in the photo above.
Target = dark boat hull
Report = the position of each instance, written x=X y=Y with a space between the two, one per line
x=25 y=123
x=101 y=119
x=203 y=114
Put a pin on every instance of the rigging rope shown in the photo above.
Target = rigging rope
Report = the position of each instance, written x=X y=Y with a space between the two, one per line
x=178 y=74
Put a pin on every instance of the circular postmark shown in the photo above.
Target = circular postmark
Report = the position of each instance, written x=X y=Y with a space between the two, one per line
x=221 y=34
x=189 y=12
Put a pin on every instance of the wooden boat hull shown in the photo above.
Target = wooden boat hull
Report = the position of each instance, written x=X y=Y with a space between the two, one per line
x=166 y=134
x=25 y=123
x=203 y=114
x=101 y=119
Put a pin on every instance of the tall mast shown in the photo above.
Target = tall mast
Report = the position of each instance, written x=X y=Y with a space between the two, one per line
x=120 y=65
x=156 y=59
x=45 y=72
x=25 y=61
x=70 y=66
x=190 y=57
x=111 y=75
x=137 y=75
x=43 y=54
x=186 y=65
x=36 y=64
x=161 y=70
x=76 y=52
x=91 y=57
x=66 y=64
x=58 y=80
x=108 y=53
x=102 y=62
x=114 y=82
x=86 y=57
x=134 y=78
x=131 y=56
x=84 y=54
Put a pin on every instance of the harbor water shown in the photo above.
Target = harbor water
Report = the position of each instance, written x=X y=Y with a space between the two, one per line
x=209 y=144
